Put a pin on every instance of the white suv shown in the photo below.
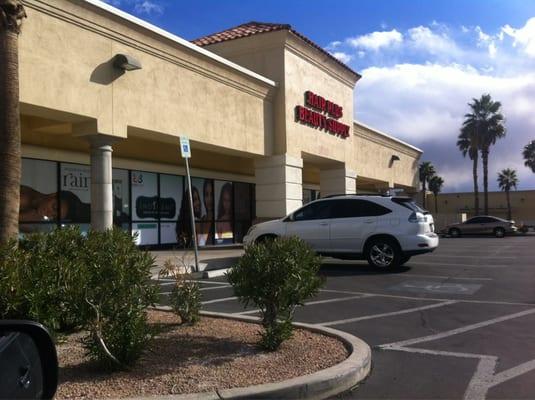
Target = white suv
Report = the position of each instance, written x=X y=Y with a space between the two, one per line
x=385 y=230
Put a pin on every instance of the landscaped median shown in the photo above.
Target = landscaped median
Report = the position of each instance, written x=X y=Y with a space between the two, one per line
x=218 y=358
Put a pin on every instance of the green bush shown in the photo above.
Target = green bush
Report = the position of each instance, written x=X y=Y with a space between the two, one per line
x=276 y=276
x=43 y=276
x=118 y=293
x=65 y=280
x=185 y=296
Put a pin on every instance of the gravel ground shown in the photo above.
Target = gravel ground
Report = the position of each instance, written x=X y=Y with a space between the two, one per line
x=215 y=353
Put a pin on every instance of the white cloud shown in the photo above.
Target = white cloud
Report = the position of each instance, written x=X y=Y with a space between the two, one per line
x=138 y=6
x=376 y=40
x=424 y=39
x=523 y=37
x=424 y=104
x=492 y=50
x=341 y=56
x=148 y=7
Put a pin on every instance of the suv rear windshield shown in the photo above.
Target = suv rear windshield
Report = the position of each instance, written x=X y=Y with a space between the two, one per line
x=409 y=203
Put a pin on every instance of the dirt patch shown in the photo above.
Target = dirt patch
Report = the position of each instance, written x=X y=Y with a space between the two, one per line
x=213 y=354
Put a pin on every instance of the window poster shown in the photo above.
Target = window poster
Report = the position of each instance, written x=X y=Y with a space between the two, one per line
x=243 y=204
x=145 y=203
x=224 y=212
x=203 y=210
x=38 y=191
x=171 y=194
x=75 y=193
x=121 y=206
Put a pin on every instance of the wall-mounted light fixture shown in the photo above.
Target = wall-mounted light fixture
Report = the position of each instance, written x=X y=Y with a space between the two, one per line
x=392 y=159
x=126 y=62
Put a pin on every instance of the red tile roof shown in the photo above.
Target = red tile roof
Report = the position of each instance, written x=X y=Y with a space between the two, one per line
x=253 y=28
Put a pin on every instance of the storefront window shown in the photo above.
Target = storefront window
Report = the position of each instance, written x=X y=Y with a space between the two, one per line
x=38 y=196
x=75 y=193
x=155 y=207
x=243 y=209
x=224 y=205
x=171 y=194
x=203 y=208
x=121 y=201
x=145 y=203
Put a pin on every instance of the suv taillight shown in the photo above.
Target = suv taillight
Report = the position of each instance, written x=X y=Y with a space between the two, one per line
x=416 y=217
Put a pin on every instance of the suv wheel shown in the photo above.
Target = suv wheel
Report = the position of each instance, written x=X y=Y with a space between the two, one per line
x=499 y=232
x=454 y=233
x=383 y=254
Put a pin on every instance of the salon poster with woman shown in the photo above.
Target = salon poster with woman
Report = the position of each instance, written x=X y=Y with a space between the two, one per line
x=145 y=205
x=38 y=195
x=224 y=212
x=203 y=210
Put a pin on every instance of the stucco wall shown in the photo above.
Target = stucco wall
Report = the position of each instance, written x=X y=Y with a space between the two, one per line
x=66 y=73
x=522 y=202
x=374 y=153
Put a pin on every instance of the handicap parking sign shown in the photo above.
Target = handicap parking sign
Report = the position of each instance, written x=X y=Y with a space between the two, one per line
x=185 y=150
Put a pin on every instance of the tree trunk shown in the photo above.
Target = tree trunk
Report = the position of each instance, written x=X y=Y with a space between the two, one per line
x=423 y=194
x=10 y=152
x=509 y=216
x=485 y=158
x=436 y=204
x=476 y=189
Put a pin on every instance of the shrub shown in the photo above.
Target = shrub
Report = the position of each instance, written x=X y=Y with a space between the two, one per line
x=185 y=295
x=44 y=276
x=118 y=293
x=276 y=276
x=66 y=280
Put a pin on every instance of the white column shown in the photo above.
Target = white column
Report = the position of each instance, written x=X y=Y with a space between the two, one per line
x=101 y=184
x=279 y=185
x=337 y=181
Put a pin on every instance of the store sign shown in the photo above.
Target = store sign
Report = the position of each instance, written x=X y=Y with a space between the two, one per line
x=322 y=114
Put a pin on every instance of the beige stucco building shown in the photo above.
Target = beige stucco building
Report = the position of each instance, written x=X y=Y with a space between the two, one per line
x=269 y=115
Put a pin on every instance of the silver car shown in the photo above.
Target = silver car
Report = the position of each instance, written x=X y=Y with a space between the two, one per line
x=481 y=225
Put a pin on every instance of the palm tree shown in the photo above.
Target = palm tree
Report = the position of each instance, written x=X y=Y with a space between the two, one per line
x=11 y=15
x=487 y=123
x=435 y=185
x=468 y=143
x=529 y=155
x=426 y=171
x=507 y=180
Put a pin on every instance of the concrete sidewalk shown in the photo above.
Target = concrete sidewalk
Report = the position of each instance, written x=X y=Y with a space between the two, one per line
x=209 y=260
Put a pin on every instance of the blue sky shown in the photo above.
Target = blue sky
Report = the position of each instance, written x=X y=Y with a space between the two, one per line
x=421 y=62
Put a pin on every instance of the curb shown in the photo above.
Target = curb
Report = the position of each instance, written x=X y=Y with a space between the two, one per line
x=215 y=273
x=318 y=385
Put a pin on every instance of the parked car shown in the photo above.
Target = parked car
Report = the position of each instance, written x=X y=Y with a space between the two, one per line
x=481 y=225
x=385 y=230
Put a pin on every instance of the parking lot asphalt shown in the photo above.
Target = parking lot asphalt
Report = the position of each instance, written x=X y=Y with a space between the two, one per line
x=457 y=323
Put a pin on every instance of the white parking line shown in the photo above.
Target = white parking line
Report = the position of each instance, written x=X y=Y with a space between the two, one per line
x=219 y=300
x=507 y=303
x=447 y=277
x=484 y=377
x=463 y=329
x=388 y=314
x=214 y=287
x=409 y=263
x=440 y=255
x=310 y=303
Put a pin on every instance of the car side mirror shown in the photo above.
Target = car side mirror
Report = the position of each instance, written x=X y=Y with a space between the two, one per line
x=28 y=361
